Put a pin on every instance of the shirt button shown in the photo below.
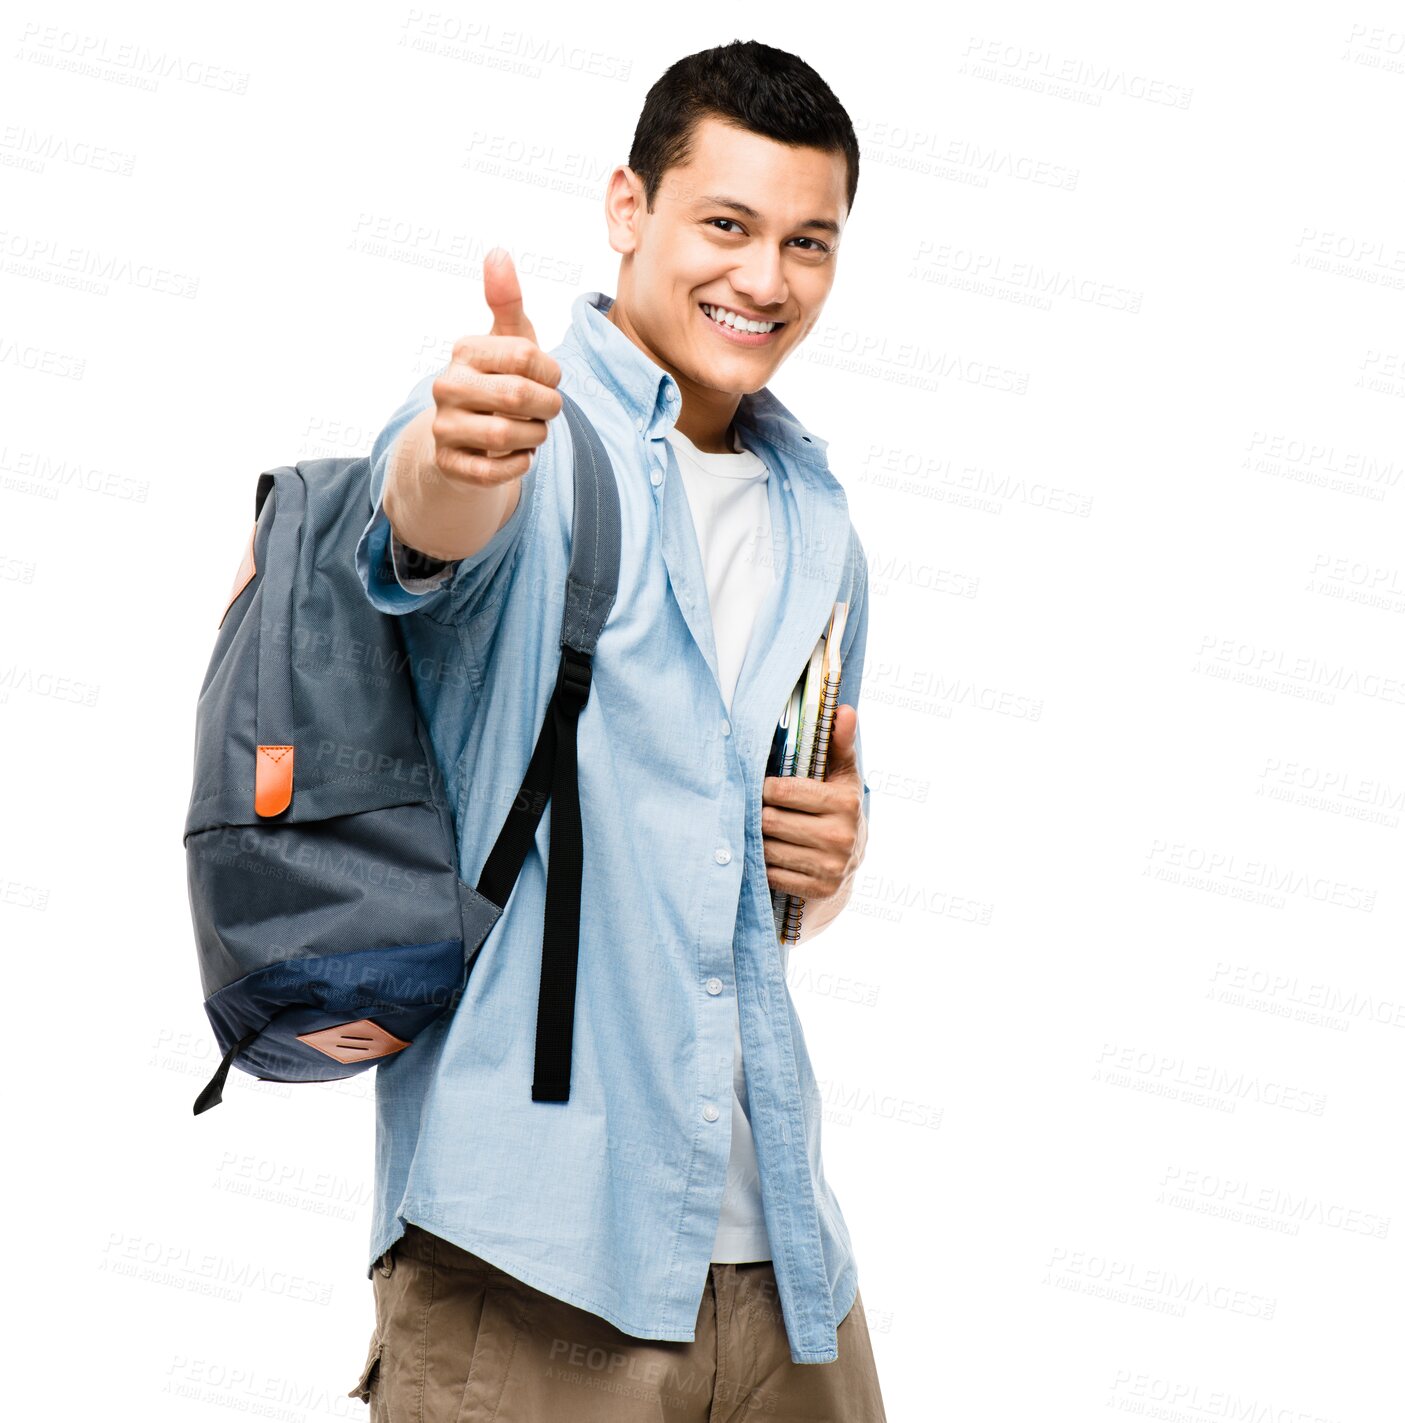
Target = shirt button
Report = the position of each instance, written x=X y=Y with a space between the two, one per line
x=785 y=484
x=722 y=854
x=639 y=422
x=714 y=985
x=711 y=1113
x=656 y=476
x=726 y=728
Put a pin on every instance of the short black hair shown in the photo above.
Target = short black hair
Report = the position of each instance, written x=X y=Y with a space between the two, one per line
x=750 y=85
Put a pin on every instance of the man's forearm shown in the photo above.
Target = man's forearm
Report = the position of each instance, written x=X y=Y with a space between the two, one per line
x=442 y=529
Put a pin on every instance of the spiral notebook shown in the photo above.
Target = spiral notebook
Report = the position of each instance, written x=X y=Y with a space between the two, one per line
x=800 y=746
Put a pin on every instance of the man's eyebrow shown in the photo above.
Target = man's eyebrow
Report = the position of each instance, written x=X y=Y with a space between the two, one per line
x=821 y=224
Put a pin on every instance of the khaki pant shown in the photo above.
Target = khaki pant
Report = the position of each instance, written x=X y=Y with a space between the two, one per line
x=458 y=1340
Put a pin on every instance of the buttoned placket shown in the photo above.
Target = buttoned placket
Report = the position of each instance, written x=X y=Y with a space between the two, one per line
x=683 y=561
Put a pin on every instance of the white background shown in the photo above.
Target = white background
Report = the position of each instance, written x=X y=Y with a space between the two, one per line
x=1114 y=374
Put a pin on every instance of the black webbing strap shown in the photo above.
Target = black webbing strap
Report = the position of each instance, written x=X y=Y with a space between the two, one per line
x=551 y=775
x=213 y=1093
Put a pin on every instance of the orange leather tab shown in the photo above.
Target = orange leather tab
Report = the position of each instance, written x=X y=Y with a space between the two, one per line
x=273 y=779
x=242 y=577
x=352 y=1042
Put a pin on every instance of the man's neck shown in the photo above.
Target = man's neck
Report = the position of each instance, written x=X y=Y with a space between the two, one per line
x=707 y=415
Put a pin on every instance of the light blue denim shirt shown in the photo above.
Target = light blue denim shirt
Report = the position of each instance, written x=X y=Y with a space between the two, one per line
x=611 y=1199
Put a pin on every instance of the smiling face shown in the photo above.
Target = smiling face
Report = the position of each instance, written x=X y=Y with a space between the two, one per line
x=746 y=228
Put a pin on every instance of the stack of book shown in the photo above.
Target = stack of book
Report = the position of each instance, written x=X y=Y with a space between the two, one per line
x=800 y=746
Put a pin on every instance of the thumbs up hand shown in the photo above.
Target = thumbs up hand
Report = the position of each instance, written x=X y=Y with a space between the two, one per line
x=494 y=398
x=813 y=833
x=455 y=474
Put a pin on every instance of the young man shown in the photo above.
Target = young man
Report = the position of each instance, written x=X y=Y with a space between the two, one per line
x=663 y=1244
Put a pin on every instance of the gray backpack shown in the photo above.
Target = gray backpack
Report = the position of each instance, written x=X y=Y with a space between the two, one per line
x=331 y=925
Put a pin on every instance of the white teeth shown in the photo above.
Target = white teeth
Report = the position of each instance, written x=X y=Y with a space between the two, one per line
x=723 y=317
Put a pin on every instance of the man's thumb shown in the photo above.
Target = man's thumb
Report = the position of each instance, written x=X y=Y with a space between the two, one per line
x=504 y=296
x=840 y=756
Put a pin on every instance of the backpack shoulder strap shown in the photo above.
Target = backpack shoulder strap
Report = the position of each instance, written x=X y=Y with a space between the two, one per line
x=592 y=582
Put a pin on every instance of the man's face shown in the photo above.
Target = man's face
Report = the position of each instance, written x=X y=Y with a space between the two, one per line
x=699 y=255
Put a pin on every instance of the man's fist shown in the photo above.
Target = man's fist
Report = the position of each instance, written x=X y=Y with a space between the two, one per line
x=813 y=833
x=493 y=400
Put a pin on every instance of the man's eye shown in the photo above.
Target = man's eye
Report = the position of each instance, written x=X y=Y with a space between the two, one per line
x=813 y=247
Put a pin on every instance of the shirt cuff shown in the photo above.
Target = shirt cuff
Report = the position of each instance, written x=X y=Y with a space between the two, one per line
x=417 y=572
x=390 y=584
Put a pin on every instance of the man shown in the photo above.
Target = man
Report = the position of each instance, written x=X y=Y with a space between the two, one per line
x=663 y=1244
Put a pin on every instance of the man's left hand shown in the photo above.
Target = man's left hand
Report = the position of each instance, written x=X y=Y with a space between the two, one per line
x=813 y=833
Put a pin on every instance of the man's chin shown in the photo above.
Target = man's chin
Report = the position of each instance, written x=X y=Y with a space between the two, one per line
x=732 y=388
x=735 y=378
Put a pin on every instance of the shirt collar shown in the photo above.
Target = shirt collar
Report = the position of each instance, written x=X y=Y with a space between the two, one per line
x=650 y=394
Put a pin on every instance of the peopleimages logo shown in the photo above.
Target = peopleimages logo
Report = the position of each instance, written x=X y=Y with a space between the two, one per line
x=377 y=765
x=60 y=263
x=121 y=61
x=258 y=850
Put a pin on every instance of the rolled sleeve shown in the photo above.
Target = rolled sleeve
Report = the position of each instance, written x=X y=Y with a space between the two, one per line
x=415 y=571
x=389 y=588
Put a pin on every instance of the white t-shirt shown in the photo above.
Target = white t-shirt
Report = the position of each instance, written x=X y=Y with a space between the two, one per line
x=732 y=519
